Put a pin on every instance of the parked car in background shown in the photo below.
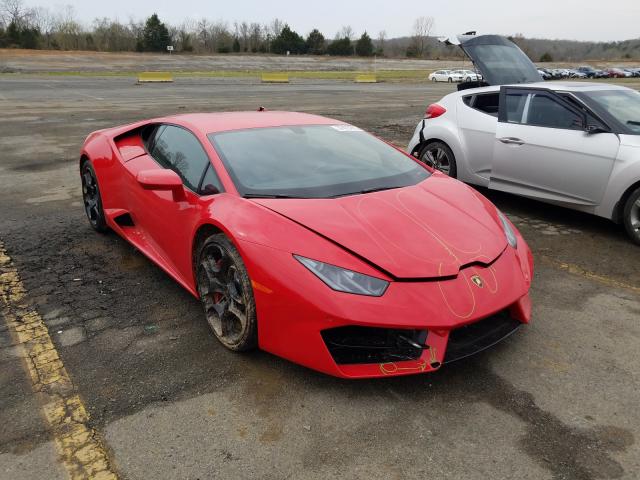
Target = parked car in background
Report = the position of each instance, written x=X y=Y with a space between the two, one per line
x=574 y=73
x=446 y=76
x=573 y=144
x=616 y=73
x=545 y=74
x=469 y=75
x=601 y=74
x=588 y=71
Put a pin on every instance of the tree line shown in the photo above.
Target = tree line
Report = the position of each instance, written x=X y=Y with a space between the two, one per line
x=40 y=28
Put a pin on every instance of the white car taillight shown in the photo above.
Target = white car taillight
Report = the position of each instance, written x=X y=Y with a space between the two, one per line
x=434 y=111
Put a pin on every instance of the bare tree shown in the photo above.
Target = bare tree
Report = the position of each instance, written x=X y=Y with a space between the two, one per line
x=14 y=11
x=244 y=36
x=346 y=32
x=255 y=37
x=382 y=37
x=422 y=28
x=275 y=27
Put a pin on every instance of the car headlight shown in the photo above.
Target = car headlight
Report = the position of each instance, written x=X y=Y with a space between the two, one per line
x=344 y=280
x=508 y=231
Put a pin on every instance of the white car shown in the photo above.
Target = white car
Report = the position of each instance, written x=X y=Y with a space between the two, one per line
x=469 y=75
x=445 y=76
x=573 y=144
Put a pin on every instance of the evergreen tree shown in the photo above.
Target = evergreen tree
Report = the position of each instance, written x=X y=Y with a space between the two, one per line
x=364 y=46
x=155 y=35
x=236 y=45
x=316 y=43
x=288 y=41
x=340 y=46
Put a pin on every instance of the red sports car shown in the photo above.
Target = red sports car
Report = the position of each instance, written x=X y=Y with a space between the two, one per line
x=312 y=239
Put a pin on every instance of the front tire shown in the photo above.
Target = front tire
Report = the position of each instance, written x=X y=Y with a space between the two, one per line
x=450 y=80
x=226 y=294
x=439 y=156
x=92 y=199
x=631 y=216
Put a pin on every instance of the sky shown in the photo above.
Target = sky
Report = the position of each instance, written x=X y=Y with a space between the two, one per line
x=566 y=19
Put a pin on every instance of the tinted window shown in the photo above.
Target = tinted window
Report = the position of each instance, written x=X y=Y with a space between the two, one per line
x=500 y=61
x=313 y=161
x=487 y=103
x=210 y=183
x=623 y=105
x=177 y=149
x=514 y=106
x=545 y=111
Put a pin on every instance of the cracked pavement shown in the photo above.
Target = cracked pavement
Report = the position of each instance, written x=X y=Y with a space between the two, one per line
x=558 y=400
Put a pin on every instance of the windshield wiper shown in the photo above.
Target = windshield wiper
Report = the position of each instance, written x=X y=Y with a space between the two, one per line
x=634 y=122
x=366 y=190
x=266 y=195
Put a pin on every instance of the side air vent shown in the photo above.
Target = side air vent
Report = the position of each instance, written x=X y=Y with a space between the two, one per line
x=124 y=220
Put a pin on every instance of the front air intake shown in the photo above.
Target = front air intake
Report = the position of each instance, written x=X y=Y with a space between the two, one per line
x=357 y=345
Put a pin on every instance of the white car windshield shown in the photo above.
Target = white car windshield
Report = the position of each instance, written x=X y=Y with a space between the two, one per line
x=623 y=105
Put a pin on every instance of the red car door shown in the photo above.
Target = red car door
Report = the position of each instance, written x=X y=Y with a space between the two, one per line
x=167 y=221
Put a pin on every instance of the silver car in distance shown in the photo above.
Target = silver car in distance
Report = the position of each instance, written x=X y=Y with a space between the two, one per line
x=572 y=144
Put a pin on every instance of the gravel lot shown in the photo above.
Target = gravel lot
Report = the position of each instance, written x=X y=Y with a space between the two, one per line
x=558 y=400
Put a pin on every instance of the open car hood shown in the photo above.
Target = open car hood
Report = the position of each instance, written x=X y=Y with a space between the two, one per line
x=429 y=230
x=498 y=59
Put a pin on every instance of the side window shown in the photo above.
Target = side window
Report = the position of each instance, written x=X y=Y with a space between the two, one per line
x=210 y=183
x=488 y=103
x=591 y=119
x=179 y=150
x=514 y=106
x=546 y=111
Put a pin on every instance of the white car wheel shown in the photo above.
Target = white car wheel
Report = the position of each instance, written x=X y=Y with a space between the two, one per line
x=439 y=156
x=631 y=216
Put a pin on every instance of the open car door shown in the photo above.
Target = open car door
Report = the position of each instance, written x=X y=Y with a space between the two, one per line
x=547 y=149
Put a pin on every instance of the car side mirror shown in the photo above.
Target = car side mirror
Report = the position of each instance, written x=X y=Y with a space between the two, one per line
x=162 y=179
x=593 y=129
x=209 y=189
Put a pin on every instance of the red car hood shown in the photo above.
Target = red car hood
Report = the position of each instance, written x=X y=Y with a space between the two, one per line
x=424 y=231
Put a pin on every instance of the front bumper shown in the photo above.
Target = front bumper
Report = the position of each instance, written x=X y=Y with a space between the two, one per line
x=448 y=318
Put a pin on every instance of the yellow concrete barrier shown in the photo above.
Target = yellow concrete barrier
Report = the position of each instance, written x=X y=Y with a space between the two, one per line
x=275 y=78
x=147 y=77
x=366 y=78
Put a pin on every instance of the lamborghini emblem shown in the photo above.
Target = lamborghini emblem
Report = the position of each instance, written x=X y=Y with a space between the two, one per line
x=477 y=281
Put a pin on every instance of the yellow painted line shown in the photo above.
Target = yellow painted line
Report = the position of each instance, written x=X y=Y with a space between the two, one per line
x=80 y=448
x=366 y=78
x=274 y=78
x=596 y=277
x=146 y=77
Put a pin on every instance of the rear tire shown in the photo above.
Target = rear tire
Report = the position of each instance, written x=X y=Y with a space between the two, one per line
x=439 y=156
x=450 y=80
x=631 y=216
x=92 y=199
x=226 y=294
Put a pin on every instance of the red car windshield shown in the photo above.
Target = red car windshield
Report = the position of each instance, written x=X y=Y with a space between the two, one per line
x=320 y=161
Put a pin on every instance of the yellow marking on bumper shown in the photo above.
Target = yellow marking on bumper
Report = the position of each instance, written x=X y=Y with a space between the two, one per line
x=79 y=446
x=596 y=277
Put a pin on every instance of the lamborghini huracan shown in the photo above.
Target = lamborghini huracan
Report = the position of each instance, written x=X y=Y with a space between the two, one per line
x=312 y=239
